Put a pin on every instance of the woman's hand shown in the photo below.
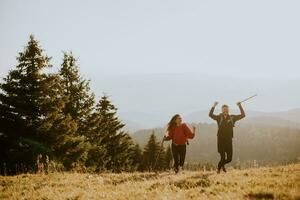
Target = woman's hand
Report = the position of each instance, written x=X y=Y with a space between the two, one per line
x=165 y=138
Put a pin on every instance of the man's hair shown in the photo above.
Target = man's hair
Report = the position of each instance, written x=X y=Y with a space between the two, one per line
x=225 y=106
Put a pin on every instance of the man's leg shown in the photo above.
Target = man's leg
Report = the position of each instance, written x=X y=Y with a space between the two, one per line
x=223 y=167
x=182 y=155
x=222 y=161
x=175 y=154
x=228 y=156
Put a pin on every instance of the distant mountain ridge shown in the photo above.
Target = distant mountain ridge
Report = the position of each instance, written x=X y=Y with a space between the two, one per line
x=142 y=120
x=266 y=140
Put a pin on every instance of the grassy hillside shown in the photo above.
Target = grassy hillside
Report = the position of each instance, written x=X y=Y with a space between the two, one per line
x=258 y=183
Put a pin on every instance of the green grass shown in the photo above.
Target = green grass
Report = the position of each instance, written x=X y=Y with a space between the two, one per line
x=259 y=183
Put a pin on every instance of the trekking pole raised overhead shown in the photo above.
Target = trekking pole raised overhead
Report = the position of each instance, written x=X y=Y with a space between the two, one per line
x=248 y=98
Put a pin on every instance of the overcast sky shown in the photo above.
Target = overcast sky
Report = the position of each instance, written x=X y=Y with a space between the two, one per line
x=119 y=41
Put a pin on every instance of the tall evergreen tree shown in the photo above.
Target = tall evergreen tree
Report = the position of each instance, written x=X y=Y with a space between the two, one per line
x=21 y=98
x=168 y=158
x=31 y=118
x=97 y=154
x=153 y=155
x=137 y=157
x=80 y=102
x=107 y=133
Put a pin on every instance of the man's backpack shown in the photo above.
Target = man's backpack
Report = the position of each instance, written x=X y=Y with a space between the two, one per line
x=222 y=120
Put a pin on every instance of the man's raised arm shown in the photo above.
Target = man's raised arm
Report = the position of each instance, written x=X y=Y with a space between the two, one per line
x=211 y=112
x=242 y=115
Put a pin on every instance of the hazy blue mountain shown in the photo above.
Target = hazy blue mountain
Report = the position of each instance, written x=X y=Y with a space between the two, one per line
x=150 y=100
x=163 y=95
x=290 y=115
x=143 y=120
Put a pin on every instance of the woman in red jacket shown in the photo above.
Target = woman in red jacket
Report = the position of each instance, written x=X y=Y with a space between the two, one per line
x=179 y=133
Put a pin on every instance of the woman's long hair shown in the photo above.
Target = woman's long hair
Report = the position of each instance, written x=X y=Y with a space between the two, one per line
x=172 y=122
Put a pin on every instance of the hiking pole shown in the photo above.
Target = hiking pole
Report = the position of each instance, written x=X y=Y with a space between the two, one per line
x=248 y=98
x=161 y=148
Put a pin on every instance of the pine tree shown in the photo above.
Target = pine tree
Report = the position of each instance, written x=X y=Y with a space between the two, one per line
x=137 y=158
x=153 y=155
x=168 y=158
x=21 y=95
x=97 y=154
x=31 y=117
x=80 y=101
x=160 y=165
x=106 y=133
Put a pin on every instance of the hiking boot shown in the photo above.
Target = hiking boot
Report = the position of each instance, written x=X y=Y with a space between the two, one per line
x=223 y=168
x=176 y=169
x=181 y=169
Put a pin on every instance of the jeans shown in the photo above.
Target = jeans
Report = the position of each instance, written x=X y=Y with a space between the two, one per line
x=178 y=152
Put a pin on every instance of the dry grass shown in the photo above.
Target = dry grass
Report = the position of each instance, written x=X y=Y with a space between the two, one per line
x=261 y=183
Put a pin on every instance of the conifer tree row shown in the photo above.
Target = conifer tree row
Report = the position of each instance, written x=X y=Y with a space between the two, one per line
x=32 y=120
x=55 y=114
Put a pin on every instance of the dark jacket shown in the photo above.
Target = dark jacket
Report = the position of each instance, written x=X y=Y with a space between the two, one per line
x=225 y=125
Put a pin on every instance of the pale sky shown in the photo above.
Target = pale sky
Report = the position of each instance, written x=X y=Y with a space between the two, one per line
x=119 y=41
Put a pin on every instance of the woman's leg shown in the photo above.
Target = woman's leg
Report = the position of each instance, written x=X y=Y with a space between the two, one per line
x=175 y=154
x=182 y=155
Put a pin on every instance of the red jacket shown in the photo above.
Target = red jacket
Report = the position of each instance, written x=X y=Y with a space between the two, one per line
x=180 y=134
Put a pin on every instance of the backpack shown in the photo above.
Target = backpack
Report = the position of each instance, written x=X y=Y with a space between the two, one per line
x=222 y=119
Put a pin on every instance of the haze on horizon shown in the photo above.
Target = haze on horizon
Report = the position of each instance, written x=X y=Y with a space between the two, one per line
x=165 y=57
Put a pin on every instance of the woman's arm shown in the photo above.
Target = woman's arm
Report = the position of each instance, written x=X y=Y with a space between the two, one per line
x=188 y=132
x=168 y=135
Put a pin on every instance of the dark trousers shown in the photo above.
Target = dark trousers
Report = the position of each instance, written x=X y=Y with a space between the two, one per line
x=225 y=150
x=226 y=157
x=178 y=152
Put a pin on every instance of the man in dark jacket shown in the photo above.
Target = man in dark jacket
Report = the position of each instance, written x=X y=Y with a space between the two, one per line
x=225 y=132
